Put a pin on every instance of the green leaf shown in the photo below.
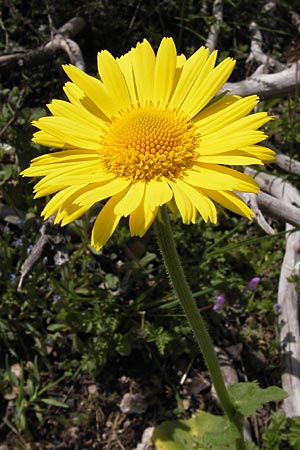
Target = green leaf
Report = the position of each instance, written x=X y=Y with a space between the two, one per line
x=53 y=402
x=203 y=432
x=249 y=396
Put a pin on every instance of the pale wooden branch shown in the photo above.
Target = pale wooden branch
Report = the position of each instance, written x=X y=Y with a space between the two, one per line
x=252 y=201
x=276 y=186
x=295 y=18
x=288 y=164
x=289 y=323
x=61 y=41
x=277 y=198
x=217 y=12
x=256 y=50
x=266 y=86
x=279 y=209
x=48 y=236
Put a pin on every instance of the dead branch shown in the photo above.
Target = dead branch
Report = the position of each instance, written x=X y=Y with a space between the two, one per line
x=266 y=86
x=279 y=209
x=252 y=201
x=49 y=237
x=288 y=164
x=277 y=198
x=289 y=323
x=256 y=51
x=280 y=199
x=61 y=41
x=276 y=186
x=217 y=12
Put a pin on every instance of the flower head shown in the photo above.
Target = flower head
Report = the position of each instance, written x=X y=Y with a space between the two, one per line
x=219 y=302
x=148 y=133
x=253 y=283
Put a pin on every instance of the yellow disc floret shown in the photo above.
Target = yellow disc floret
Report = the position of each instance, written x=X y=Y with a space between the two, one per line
x=149 y=143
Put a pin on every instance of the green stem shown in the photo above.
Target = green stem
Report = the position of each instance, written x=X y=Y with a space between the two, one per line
x=182 y=289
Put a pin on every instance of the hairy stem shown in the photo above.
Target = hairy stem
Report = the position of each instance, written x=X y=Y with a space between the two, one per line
x=182 y=289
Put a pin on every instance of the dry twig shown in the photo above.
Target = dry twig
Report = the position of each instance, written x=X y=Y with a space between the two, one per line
x=289 y=323
x=212 y=38
x=61 y=41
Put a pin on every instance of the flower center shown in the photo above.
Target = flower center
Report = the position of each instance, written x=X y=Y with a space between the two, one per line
x=148 y=143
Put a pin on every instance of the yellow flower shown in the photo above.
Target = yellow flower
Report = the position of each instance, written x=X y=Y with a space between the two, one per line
x=148 y=133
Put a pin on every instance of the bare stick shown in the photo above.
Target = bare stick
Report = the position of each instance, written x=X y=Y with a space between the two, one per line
x=289 y=324
x=217 y=12
x=288 y=164
x=256 y=50
x=252 y=201
x=279 y=209
x=267 y=86
x=61 y=41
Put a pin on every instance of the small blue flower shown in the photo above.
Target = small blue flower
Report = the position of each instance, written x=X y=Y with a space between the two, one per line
x=29 y=249
x=20 y=222
x=56 y=298
x=18 y=243
x=13 y=279
x=6 y=229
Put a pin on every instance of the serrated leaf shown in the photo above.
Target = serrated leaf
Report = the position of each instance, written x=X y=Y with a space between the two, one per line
x=221 y=440
x=203 y=432
x=249 y=397
x=52 y=402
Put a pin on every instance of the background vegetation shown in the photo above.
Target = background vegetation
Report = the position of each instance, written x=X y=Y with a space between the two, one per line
x=88 y=327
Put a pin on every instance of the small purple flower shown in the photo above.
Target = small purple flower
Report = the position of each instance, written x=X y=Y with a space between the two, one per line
x=252 y=285
x=277 y=307
x=219 y=302
x=18 y=243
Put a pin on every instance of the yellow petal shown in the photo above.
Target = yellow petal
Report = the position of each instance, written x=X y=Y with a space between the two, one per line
x=126 y=67
x=223 y=113
x=261 y=152
x=74 y=176
x=77 y=96
x=95 y=193
x=143 y=65
x=113 y=79
x=65 y=157
x=232 y=202
x=131 y=200
x=142 y=217
x=93 y=88
x=210 y=179
x=234 y=158
x=242 y=181
x=58 y=200
x=218 y=143
x=160 y=193
x=165 y=66
x=106 y=222
x=69 y=132
x=183 y=203
x=77 y=113
x=191 y=70
x=201 y=201
x=42 y=138
x=207 y=85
